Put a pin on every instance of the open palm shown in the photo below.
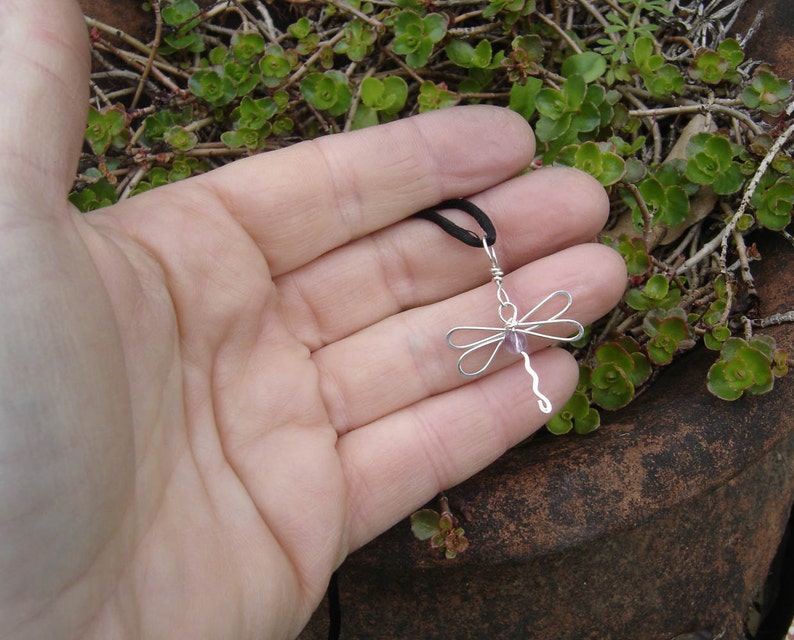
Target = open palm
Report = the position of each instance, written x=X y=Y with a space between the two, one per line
x=212 y=392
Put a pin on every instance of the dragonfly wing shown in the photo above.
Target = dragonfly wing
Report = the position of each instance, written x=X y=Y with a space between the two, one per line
x=556 y=294
x=530 y=326
x=495 y=340
x=532 y=329
x=497 y=333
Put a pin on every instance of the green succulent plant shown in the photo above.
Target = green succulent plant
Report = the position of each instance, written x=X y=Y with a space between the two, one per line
x=358 y=42
x=611 y=89
x=656 y=294
x=94 y=196
x=252 y=122
x=767 y=92
x=619 y=370
x=576 y=415
x=106 y=129
x=415 y=35
x=773 y=204
x=669 y=332
x=524 y=58
x=665 y=192
x=247 y=47
x=599 y=160
x=660 y=78
x=434 y=96
x=213 y=86
x=634 y=254
x=714 y=67
x=467 y=56
x=180 y=138
x=381 y=100
x=746 y=366
x=509 y=10
x=183 y=17
x=328 y=91
x=571 y=114
x=712 y=161
x=275 y=65
x=440 y=529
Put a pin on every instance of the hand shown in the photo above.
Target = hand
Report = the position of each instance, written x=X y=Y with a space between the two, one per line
x=212 y=392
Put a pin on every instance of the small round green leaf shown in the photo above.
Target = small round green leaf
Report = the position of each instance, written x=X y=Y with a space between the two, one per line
x=425 y=524
x=588 y=64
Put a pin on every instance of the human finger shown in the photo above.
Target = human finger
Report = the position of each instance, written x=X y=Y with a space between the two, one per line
x=301 y=202
x=403 y=359
x=44 y=53
x=414 y=263
x=401 y=461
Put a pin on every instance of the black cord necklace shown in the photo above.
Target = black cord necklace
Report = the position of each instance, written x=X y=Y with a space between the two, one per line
x=459 y=233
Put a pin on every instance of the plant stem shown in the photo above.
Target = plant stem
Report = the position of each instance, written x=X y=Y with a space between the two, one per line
x=774 y=320
x=158 y=26
x=561 y=31
x=343 y=6
x=312 y=59
x=118 y=33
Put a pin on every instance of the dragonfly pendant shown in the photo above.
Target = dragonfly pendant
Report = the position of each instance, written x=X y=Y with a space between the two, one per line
x=512 y=336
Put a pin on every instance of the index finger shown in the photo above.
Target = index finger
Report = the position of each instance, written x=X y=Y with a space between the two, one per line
x=300 y=202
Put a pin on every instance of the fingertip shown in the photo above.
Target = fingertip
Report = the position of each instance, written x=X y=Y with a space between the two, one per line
x=544 y=211
x=515 y=129
x=45 y=97
x=498 y=140
x=615 y=273
x=596 y=277
x=583 y=192
x=596 y=195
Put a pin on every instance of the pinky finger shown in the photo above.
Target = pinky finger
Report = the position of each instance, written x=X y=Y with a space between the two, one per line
x=398 y=463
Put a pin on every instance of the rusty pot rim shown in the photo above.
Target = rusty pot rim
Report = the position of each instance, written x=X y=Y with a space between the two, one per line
x=664 y=449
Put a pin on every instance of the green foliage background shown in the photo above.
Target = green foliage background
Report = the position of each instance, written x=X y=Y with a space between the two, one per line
x=688 y=136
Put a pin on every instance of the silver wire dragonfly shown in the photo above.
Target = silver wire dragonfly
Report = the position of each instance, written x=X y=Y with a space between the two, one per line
x=514 y=332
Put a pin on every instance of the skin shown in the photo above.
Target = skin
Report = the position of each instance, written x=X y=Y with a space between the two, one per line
x=211 y=393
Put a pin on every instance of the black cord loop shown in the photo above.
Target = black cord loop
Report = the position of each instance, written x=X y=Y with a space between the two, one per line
x=334 y=609
x=464 y=235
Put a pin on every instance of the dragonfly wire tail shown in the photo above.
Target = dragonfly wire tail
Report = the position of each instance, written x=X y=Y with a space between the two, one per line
x=543 y=402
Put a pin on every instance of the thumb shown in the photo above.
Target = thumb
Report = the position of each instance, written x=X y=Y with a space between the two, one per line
x=44 y=66
x=64 y=403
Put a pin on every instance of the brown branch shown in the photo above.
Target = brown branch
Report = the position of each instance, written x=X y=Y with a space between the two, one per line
x=158 y=32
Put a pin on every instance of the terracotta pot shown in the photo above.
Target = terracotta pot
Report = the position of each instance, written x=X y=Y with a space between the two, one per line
x=664 y=521
x=125 y=14
x=772 y=39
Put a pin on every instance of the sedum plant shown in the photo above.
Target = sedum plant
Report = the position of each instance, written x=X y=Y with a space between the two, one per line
x=690 y=138
x=441 y=529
